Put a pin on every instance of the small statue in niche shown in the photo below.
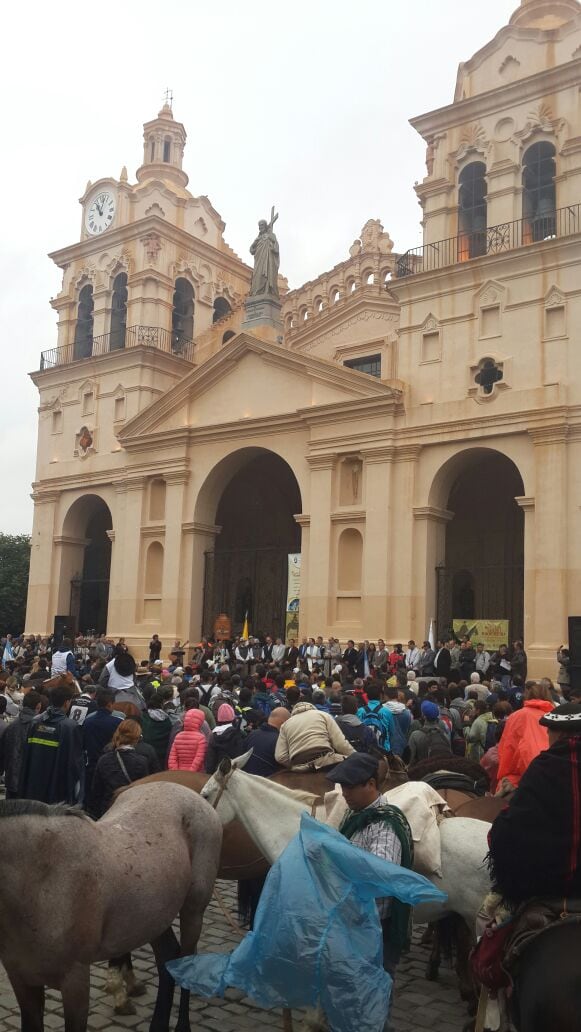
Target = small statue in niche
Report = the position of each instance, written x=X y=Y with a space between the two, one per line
x=355 y=480
x=85 y=440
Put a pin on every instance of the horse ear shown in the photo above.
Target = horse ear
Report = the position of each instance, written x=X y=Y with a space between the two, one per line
x=241 y=761
x=225 y=766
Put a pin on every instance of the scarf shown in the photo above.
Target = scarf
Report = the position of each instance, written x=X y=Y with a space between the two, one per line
x=400 y=916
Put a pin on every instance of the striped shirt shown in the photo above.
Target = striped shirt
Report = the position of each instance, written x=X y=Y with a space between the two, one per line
x=380 y=839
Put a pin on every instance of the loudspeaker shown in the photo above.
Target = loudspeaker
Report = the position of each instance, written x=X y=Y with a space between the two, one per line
x=575 y=651
x=63 y=628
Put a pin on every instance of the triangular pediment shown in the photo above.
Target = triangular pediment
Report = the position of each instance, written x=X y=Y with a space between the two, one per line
x=250 y=379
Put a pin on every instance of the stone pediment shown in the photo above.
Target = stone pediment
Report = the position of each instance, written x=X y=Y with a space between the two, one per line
x=250 y=380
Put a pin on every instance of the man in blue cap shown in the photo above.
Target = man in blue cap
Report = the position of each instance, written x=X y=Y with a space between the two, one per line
x=372 y=824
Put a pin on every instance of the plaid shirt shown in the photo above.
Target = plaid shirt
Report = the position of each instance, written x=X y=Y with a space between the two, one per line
x=379 y=839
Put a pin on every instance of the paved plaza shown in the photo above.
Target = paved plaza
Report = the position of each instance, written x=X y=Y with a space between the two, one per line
x=419 y=1004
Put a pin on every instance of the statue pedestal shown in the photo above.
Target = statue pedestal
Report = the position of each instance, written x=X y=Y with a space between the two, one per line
x=262 y=317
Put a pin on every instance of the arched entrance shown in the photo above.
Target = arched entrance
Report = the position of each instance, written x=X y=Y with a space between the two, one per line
x=482 y=576
x=246 y=571
x=87 y=524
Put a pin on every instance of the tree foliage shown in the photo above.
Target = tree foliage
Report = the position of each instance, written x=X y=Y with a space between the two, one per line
x=14 y=562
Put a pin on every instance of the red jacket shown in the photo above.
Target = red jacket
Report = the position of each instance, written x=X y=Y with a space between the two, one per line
x=523 y=738
x=188 y=751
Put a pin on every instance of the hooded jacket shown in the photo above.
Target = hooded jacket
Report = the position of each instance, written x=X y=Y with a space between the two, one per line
x=188 y=751
x=156 y=727
x=12 y=746
x=52 y=769
x=476 y=736
x=522 y=740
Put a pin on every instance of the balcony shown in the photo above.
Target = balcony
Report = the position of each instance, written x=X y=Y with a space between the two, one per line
x=494 y=240
x=133 y=337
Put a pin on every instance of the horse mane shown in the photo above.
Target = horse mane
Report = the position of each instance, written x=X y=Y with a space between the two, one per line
x=455 y=764
x=34 y=808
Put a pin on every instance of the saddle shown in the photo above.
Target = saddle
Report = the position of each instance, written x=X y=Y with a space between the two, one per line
x=442 y=779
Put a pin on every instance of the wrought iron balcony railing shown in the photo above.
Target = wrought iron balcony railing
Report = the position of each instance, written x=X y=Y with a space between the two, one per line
x=492 y=240
x=87 y=346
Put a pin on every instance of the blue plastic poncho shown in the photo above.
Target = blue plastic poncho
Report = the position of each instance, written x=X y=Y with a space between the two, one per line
x=317 y=936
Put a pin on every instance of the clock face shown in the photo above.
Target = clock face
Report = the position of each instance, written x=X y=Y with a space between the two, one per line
x=100 y=213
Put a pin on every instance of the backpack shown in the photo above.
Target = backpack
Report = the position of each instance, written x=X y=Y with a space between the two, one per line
x=373 y=721
x=360 y=737
x=438 y=744
x=398 y=737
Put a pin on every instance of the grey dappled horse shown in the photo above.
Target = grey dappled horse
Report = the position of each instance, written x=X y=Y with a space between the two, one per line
x=73 y=892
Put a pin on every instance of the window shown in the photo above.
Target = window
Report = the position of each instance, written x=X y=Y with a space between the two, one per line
x=83 y=346
x=222 y=308
x=152 y=150
x=57 y=422
x=472 y=211
x=370 y=364
x=167 y=150
x=182 y=322
x=539 y=196
x=118 y=312
x=119 y=409
x=228 y=336
x=88 y=403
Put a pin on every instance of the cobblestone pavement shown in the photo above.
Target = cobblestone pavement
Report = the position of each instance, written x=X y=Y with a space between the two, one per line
x=418 y=1004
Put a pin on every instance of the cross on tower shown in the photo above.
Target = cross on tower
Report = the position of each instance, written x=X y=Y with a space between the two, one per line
x=168 y=97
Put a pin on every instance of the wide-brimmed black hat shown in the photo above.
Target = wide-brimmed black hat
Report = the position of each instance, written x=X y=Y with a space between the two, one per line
x=357 y=769
x=564 y=719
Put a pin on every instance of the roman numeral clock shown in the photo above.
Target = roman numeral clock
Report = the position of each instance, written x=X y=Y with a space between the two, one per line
x=100 y=213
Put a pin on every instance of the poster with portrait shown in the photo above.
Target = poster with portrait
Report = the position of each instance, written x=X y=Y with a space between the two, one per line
x=492 y=633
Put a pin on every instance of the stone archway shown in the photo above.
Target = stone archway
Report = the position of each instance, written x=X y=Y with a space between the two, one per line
x=252 y=496
x=87 y=564
x=481 y=572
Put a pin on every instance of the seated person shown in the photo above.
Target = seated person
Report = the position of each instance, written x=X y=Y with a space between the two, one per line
x=535 y=844
x=310 y=740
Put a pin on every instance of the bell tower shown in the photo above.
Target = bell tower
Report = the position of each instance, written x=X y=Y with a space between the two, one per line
x=163 y=149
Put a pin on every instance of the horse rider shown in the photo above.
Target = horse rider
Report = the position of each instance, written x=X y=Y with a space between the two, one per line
x=535 y=844
x=371 y=824
x=310 y=740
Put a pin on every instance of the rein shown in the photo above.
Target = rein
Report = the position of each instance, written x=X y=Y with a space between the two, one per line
x=222 y=789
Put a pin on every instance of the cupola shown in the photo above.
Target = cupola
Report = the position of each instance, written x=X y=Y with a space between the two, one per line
x=545 y=14
x=163 y=149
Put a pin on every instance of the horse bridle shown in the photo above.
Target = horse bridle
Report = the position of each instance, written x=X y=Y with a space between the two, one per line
x=222 y=788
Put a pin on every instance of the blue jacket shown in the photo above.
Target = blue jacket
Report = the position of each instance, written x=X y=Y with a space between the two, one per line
x=384 y=715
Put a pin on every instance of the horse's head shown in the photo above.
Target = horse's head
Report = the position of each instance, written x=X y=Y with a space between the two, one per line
x=214 y=791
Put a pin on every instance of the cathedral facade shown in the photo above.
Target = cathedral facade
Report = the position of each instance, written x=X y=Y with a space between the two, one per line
x=412 y=430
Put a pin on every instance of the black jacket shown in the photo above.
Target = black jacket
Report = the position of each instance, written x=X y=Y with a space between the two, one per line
x=109 y=776
x=52 y=771
x=230 y=742
x=263 y=743
x=12 y=746
x=442 y=663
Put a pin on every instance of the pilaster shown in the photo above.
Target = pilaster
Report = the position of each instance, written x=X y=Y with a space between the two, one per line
x=405 y=591
x=172 y=609
x=378 y=472
x=39 y=613
x=550 y=538
x=315 y=602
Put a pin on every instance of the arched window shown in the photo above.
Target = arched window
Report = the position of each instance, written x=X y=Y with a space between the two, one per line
x=472 y=223
x=119 y=312
x=83 y=346
x=182 y=321
x=167 y=149
x=228 y=336
x=335 y=295
x=152 y=149
x=350 y=560
x=539 y=199
x=222 y=307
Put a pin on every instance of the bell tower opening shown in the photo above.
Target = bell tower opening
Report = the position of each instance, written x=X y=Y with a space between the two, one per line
x=246 y=573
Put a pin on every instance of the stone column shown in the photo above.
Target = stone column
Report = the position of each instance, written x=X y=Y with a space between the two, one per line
x=528 y=507
x=315 y=615
x=201 y=538
x=403 y=589
x=429 y=551
x=304 y=523
x=172 y=611
x=125 y=583
x=550 y=543
x=378 y=472
x=39 y=604
x=101 y=315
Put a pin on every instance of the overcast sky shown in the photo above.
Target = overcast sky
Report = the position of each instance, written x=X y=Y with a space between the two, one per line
x=302 y=104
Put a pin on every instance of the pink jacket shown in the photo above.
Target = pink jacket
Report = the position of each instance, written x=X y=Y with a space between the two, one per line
x=188 y=751
x=523 y=739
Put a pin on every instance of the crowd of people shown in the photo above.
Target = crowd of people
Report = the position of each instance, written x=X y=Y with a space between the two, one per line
x=80 y=720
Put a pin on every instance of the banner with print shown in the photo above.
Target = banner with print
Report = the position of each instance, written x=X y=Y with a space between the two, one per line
x=492 y=633
x=293 y=589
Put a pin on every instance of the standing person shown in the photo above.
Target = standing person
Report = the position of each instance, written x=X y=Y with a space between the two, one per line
x=412 y=656
x=431 y=739
x=292 y=653
x=442 y=661
x=482 y=660
x=380 y=657
x=154 y=648
x=52 y=771
x=563 y=677
x=313 y=654
x=500 y=667
x=373 y=825
x=278 y=651
x=427 y=657
x=524 y=737
x=63 y=659
x=13 y=743
x=157 y=727
x=188 y=751
x=98 y=729
x=351 y=657
x=8 y=653
x=119 y=765
x=475 y=734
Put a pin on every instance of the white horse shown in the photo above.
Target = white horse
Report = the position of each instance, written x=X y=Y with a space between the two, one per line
x=271 y=814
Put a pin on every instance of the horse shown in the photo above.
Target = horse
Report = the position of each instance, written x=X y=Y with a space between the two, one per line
x=101 y=889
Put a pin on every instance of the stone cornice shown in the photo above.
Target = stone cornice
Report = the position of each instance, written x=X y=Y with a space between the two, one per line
x=526 y=503
x=378 y=455
x=349 y=516
x=540 y=84
x=111 y=535
x=195 y=527
x=68 y=539
x=153 y=530
x=432 y=513
x=407 y=453
x=303 y=519
x=556 y=434
x=322 y=461
x=178 y=476
x=96 y=365
x=376 y=309
x=40 y=497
